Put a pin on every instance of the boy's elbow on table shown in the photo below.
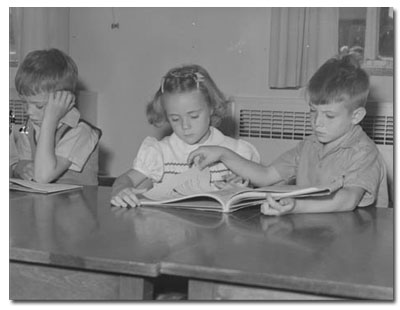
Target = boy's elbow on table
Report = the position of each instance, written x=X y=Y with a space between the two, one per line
x=43 y=178
x=345 y=199
x=348 y=198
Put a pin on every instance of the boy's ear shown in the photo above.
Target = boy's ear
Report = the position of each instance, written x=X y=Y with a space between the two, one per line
x=358 y=115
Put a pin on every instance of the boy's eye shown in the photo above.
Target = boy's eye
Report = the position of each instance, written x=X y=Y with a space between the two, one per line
x=174 y=119
x=194 y=116
x=330 y=116
x=39 y=105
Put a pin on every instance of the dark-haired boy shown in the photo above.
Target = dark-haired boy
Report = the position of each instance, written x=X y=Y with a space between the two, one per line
x=338 y=153
x=56 y=146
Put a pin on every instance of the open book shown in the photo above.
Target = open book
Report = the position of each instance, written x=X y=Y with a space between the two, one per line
x=192 y=190
x=234 y=198
x=34 y=187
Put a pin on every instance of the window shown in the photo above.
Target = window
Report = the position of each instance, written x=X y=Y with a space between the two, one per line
x=386 y=33
x=370 y=33
x=13 y=38
x=352 y=22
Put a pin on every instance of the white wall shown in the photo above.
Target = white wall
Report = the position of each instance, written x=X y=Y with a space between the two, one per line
x=124 y=66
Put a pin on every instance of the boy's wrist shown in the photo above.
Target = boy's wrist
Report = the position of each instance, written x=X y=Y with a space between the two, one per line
x=50 y=123
x=225 y=155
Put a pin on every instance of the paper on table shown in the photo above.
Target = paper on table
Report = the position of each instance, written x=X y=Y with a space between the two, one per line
x=34 y=187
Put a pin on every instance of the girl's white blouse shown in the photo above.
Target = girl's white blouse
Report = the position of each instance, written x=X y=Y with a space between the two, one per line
x=159 y=159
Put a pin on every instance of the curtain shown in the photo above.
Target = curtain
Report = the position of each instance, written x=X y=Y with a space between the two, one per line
x=40 y=28
x=301 y=40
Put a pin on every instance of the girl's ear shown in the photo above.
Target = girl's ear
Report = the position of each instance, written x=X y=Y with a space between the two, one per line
x=358 y=115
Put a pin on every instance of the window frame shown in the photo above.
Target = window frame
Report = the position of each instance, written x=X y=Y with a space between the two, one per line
x=374 y=64
x=13 y=55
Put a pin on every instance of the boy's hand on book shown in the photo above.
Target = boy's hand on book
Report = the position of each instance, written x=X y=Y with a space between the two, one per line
x=275 y=208
x=127 y=197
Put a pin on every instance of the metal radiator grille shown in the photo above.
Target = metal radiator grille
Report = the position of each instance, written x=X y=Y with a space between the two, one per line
x=274 y=124
x=17 y=108
x=290 y=125
x=379 y=128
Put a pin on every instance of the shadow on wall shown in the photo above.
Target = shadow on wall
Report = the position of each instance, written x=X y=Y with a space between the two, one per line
x=228 y=126
x=105 y=157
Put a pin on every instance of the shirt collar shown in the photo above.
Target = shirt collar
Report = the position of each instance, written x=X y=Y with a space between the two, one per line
x=71 y=118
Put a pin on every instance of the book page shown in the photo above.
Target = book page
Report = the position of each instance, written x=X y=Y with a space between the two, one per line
x=191 y=182
x=30 y=186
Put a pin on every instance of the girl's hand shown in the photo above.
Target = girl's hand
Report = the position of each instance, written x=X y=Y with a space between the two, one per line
x=127 y=197
x=59 y=104
x=276 y=208
x=204 y=156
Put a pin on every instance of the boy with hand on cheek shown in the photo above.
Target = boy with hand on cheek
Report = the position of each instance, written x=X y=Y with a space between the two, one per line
x=54 y=145
x=338 y=153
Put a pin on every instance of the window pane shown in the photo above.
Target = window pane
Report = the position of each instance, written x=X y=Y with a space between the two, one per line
x=386 y=33
x=12 y=38
x=352 y=23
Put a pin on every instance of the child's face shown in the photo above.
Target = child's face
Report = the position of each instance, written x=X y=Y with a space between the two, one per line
x=331 y=121
x=189 y=116
x=35 y=107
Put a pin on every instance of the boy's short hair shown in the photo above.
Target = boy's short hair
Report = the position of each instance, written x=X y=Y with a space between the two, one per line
x=45 y=71
x=338 y=79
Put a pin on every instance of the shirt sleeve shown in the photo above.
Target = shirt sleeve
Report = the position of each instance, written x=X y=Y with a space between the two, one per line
x=77 y=145
x=286 y=164
x=13 y=153
x=366 y=171
x=248 y=151
x=149 y=159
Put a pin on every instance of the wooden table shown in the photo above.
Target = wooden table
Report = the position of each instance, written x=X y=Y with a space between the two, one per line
x=303 y=256
x=73 y=245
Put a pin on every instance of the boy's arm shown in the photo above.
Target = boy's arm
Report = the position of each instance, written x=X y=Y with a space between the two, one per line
x=345 y=199
x=48 y=166
x=258 y=174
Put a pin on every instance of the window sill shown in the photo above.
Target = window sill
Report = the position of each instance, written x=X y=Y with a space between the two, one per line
x=378 y=67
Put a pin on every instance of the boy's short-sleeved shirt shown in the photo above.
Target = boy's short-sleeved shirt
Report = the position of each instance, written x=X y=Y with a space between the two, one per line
x=159 y=160
x=77 y=141
x=355 y=162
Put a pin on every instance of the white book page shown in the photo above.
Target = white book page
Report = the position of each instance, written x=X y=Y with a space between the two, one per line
x=191 y=182
x=31 y=186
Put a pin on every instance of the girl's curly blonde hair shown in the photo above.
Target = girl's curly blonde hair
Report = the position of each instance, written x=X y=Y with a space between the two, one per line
x=183 y=79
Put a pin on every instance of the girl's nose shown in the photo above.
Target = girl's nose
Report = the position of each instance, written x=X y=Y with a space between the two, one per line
x=186 y=123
